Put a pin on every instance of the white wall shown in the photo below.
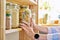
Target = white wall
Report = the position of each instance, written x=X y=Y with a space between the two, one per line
x=12 y=36
x=53 y=12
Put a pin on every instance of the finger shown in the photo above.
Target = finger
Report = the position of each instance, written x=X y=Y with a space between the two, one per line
x=26 y=23
x=28 y=28
x=24 y=29
x=25 y=26
x=21 y=24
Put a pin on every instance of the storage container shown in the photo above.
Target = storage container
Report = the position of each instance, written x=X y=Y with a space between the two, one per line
x=15 y=15
x=8 y=15
x=25 y=13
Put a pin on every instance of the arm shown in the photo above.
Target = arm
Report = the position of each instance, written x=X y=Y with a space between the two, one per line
x=41 y=37
x=41 y=28
x=30 y=32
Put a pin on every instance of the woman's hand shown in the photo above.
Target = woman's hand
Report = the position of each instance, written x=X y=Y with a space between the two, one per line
x=28 y=29
x=41 y=29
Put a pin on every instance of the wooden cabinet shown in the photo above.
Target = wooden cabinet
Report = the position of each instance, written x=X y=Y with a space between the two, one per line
x=23 y=2
x=22 y=34
x=2 y=19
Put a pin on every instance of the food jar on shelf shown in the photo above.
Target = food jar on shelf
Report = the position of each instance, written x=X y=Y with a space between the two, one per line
x=28 y=14
x=25 y=13
x=34 y=17
x=21 y=12
x=15 y=15
x=8 y=16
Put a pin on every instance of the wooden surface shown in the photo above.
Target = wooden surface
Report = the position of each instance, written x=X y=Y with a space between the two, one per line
x=36 y=10
x=13 y=30
x=23 y=2
x=2 y=37
x=0 y=13
x=49 y=24
x=23 y=36
x=2 y=19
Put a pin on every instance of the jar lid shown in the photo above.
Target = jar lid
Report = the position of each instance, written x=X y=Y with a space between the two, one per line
x=8 y=3
x=23 y=6
x=15 y=6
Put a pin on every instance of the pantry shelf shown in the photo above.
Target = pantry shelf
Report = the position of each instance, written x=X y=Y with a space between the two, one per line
x=13 y=30
x=23 y=2
x=50 y=24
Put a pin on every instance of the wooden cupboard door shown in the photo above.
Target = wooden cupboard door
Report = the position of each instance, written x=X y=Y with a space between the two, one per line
x=2 y=34
x=0 y=13
x=26 y=37
x=2 y=19
x=23 y=36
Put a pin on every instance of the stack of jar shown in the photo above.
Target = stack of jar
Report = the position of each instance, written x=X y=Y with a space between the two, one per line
x=12 y=15
x=25 y=13
x=8 y=15
x=15 y=16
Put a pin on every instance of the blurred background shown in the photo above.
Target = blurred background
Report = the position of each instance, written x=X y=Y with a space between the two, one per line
x=49 y=11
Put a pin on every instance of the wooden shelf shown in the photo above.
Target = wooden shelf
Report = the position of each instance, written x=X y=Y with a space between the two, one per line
x=23 y=2
x=50 y=24
x=12 y=30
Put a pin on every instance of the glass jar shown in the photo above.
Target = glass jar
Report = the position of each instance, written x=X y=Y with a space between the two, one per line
x=8 y=15
x=22 y=11
x=25 y=13
x=15 y=15
x=28 y=14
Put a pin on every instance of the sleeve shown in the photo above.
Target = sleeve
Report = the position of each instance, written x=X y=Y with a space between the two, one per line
x=55 y=36
x=53 y=33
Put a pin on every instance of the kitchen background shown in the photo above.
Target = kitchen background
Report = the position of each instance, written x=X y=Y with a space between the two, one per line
x=48 y=10
x=14 y=11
